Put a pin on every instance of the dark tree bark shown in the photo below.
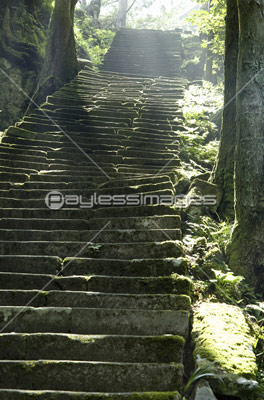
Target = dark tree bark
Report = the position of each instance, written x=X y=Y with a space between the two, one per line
x=60 y=64
x=60 y=61
x=94 y=9
x=224 y=170
x=247 y=249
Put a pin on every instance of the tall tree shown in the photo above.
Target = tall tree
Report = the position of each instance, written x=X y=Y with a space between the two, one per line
x=60 y=63
x=60 y=59
x=93 y=9
x=224 y=171
x=122 y=14
x=246 y=251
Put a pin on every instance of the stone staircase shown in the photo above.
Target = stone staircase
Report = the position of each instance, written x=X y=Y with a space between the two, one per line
x=94 y=302
x=145 y=52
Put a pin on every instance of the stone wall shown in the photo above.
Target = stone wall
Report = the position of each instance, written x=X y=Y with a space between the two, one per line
x=23 y=27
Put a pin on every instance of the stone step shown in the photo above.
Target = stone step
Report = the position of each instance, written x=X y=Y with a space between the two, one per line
x=102 y=250
x=92 y=266
x=53 y=146
x=103 y=284
x=107 y=236
x=93 y=321
x=8 y=394
x=91 y=199
x=31 y=264
x=163 y=222
x=107 y=212
x=57 y=298
x=167 y=137
x=90 y=376
x=132 y=349
x=14 y=163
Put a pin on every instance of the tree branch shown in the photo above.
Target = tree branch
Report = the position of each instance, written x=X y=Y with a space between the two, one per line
x=129 y=8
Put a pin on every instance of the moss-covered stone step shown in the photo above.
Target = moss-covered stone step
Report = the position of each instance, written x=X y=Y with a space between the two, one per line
x=31 y=264
x=161 y=162
x=50 y=145
x=119 y=182
x=58 y=298
x=20 y=151
x=93 y=321
x=158 y=136
x=11 y=169
x=101 y=250
x=138 y=142
x=64 y=155
x=73 y=184
x=159 y=115
x=148 y=197
x=106 y=212
x=170 y=126
x=68 y=175
x=17 y=164
x=107 y=236
x=34 y=197
x=103 y=284
x=132 y=349
x=134 y=267
x=92 y=266
x=137 y=153
x=11 y=155
x=36 y=125
x=89 y=376
x=8 y=394
x=13 y=177
x=163 y=222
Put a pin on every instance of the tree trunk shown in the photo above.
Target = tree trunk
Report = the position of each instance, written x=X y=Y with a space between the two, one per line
x=60 y=59
x=60 y=64
x=224 y=170
x=247 y=255
x=122 y=14
x=94 y=10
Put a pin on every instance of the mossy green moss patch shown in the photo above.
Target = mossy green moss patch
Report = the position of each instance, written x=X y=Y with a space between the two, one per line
x=221 y=334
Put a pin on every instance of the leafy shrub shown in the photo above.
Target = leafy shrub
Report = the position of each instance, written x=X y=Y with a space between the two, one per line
x=92 y=42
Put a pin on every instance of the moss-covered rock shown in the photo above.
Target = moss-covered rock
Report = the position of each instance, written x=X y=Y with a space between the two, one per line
x=23 y=28
x=222 y=335
x=203 y=199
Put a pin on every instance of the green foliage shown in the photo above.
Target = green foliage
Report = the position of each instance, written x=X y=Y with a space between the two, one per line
x=200 y=373
x=92 y=42
x=198 y=141
x=227 y=285
x=216 y=233
x=212 y=23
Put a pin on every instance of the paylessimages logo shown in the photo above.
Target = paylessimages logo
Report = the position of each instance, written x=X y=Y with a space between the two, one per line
x=55 y=200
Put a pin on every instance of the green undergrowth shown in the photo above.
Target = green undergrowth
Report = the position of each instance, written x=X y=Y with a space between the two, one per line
x=199 y=142
x=92 y=42
x=206 y=235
